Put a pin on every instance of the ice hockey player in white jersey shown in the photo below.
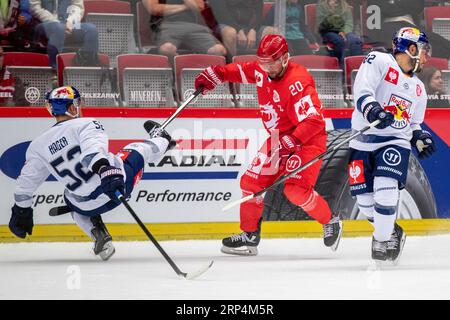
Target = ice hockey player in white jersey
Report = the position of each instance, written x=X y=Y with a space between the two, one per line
x=75 y=152
x=388 y=89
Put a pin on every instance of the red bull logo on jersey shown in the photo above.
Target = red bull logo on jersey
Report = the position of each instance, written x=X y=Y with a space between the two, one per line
x=401 y=109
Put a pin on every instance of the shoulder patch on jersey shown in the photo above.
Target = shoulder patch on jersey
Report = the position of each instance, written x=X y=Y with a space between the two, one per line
x=259 y=78
x=392 y=76
x=418 y=90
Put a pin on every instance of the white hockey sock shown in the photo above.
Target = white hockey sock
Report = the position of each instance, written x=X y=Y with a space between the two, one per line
x=151 y=149
x=366 y=205
x=84 y=222
x=386 y=197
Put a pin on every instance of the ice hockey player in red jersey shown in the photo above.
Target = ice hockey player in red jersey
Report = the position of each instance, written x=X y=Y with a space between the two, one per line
x=292 y=114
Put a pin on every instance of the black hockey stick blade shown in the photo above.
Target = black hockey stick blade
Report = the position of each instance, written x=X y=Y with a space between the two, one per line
x=57 y=211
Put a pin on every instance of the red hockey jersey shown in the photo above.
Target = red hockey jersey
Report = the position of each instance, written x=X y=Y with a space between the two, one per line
x=289 y=104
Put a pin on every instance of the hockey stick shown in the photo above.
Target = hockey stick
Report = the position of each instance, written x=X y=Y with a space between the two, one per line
x=57 y=211
x=188 y=276
x=303 y=167
x=158 y=130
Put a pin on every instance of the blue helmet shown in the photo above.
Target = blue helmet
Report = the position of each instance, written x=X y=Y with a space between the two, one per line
x=405 y=37
x=60 y=99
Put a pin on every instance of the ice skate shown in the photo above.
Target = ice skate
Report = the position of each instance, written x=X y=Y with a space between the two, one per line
x=332 y=232
x=395 y=244
x=103 y=246
x=243 y=244
x=379 y=250
x=154 y=129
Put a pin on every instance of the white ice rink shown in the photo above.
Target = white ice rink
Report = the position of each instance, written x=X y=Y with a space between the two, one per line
x=284 y=269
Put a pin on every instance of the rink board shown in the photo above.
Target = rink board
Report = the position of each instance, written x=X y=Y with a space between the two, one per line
x=215 y=148
x=218 y=230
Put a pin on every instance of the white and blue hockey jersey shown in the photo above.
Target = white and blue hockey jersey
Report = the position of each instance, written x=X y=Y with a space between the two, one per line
x=381 y=79
x=67 y=151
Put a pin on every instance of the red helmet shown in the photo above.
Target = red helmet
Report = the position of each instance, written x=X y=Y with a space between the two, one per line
x=272 y=47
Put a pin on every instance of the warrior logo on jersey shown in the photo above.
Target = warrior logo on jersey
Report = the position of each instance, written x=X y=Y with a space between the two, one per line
x=269 y=116
x=401 y=109
x=293 y=163
x=355 y=172
x=392 y=76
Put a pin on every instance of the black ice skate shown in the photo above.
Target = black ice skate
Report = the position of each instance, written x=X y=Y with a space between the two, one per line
x=243 y=244
x=395 y=244
x=154 y=129
x=379 y=250
x=103 y=246
x=332 y=232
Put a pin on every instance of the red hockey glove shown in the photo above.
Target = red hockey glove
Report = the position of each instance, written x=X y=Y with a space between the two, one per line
x=288 y=146
x=208 y=79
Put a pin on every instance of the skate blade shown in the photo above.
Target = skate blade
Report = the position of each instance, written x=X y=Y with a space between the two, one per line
x=335 y=245
x=107 y=253
x=402 y=244
x=245 y=251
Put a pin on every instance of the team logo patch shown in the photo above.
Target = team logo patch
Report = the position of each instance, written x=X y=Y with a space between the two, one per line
x=276 y=96
x=400 y=108
x=269 y=116
x=293 y=163
x=392 y=157
x=259 y=79
x=418 y=90
x=257 y=163
x=392 y=76
x=356 y=172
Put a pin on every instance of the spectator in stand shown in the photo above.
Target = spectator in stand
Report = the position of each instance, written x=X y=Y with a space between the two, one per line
x=15 y=23
x=175 y=23
x=397 y=14
x=238 y=23
x=11 y=90
x=61 y=21
x=300 y=39
x=335 y=20
x=434 y=85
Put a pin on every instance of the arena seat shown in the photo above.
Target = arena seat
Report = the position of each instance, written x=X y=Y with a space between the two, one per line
x=329 y=79
x=187 y=67
x=96 y=83
x=33 y=70
x=115 y=25
x=145 y=80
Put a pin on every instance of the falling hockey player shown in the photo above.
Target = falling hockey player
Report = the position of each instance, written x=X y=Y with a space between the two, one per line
x=75 y=152
x=292 y=114
x=388 y=89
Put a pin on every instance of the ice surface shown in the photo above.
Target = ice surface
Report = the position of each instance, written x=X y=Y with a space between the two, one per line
x=284 y=269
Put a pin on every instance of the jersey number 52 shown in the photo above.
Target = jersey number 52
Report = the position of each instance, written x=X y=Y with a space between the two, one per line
x=80 y=174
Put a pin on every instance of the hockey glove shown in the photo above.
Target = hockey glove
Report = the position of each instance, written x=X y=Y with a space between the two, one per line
x=288 y=146
x=208 y=79
x=154 y=130
x=112 y=181
x=423 y=143
x=373 y=111
x=21 y=221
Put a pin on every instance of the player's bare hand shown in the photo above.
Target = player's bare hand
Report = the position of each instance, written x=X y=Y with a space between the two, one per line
x=69 y=27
